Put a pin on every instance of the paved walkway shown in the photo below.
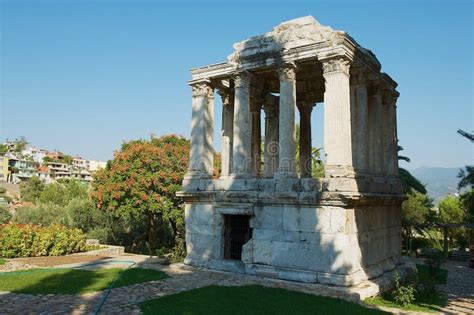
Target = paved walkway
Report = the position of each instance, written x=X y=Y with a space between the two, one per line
x=460 y=289
x=124 y=299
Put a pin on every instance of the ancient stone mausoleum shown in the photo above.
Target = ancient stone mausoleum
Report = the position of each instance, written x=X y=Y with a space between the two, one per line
x=265 y=214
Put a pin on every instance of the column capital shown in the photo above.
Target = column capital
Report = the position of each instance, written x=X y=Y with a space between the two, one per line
x=201 y=88
x=389 y=97
x=226 y=95
x=374 y=87
x=358 y=76
x=287 y=72
x=306 y=107
x=242 y=79
x=336 y=65
x=270 y=110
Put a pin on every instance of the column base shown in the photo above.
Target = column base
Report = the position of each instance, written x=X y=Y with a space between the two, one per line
x=285 y=174
x=331 y=171
x=242 y=176
x=197 y=174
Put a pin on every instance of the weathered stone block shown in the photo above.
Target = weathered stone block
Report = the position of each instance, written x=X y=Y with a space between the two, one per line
x=199 y=213
x=298 y=275
x=203 y=229
x=262 y=252
x=269 y=217
x=203 y=245
x=276 y=235
x=306 y=219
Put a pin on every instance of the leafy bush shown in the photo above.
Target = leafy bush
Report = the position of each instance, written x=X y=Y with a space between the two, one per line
x=17 y=240
x=433 y=261
x=31 y=189
x=44 y=214
x=5 y=215
x=100 y=233
x=403 y=295
x=426 y=285
x=62 y=192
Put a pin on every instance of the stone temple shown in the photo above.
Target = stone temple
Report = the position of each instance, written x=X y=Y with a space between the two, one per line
x=265 y=215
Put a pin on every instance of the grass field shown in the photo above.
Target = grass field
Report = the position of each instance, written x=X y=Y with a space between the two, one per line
x=72 y=281
x=249 y=300
x=422 y=304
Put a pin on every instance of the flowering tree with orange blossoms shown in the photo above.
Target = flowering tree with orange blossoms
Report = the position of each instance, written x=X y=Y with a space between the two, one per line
x=140 y=184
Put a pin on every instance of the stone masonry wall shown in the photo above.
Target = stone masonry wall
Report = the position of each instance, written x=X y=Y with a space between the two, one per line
x=326 y=244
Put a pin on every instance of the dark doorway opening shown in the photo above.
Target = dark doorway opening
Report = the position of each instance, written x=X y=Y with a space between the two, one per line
x=237 y=233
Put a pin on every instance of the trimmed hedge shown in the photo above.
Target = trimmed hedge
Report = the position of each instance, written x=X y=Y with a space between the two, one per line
x=28 y=240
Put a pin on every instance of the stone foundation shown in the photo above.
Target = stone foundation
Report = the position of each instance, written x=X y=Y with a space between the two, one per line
x=298 y=234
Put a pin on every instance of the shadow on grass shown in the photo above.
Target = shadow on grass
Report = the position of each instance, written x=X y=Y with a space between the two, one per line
x=253 y=299
x=74 y=281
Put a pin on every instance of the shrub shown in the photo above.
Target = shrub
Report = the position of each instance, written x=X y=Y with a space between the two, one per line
x=44 y=214
x=5 y=215
x=100 y=233
x=403 y=295
x=17 y=240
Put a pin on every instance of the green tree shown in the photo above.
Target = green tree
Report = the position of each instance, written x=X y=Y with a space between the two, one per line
x=451 y=210
x=20 y=144
x=139 y=188
x=63 y=191
x=317 y=166
x=31 y=189
x=410 y=183
x=3 y=149
x=415 y=210
x=466 y=177
x=466 y=181
x=67 y=159
x=44 y=214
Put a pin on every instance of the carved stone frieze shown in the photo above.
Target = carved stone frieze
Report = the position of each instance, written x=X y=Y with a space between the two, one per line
x=287 y=72
x=202 y=88
x=335 y=66
x=242 y=79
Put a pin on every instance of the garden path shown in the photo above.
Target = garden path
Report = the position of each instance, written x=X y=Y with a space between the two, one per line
x=459 y=288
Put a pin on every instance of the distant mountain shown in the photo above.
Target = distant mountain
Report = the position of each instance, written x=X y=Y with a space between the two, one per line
x=439 y=181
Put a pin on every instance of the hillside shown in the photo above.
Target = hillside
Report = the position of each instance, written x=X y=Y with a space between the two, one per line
x=439 y=181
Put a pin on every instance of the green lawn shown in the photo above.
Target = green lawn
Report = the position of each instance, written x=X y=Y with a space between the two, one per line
x=249 y=300
x=432 y=304
x=72 y=281
x=424 y=304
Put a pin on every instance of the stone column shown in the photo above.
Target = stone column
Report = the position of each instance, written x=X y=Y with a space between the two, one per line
x=337 y=119
x=390 y=133
x=256 y=140
x=377 y=125
x=201 y=148
x=361 y=121
x=271 y=139
x=241 y=149
x=287 y=136
x=227 y=132
x=306 y=166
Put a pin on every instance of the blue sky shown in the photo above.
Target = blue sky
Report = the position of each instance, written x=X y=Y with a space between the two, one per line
x=83 y=76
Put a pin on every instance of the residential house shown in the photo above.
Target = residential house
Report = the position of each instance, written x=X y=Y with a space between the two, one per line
x=22 y=169
x=3 y=169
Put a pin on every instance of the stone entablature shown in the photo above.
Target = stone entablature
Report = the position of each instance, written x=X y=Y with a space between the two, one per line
x=292 y=229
